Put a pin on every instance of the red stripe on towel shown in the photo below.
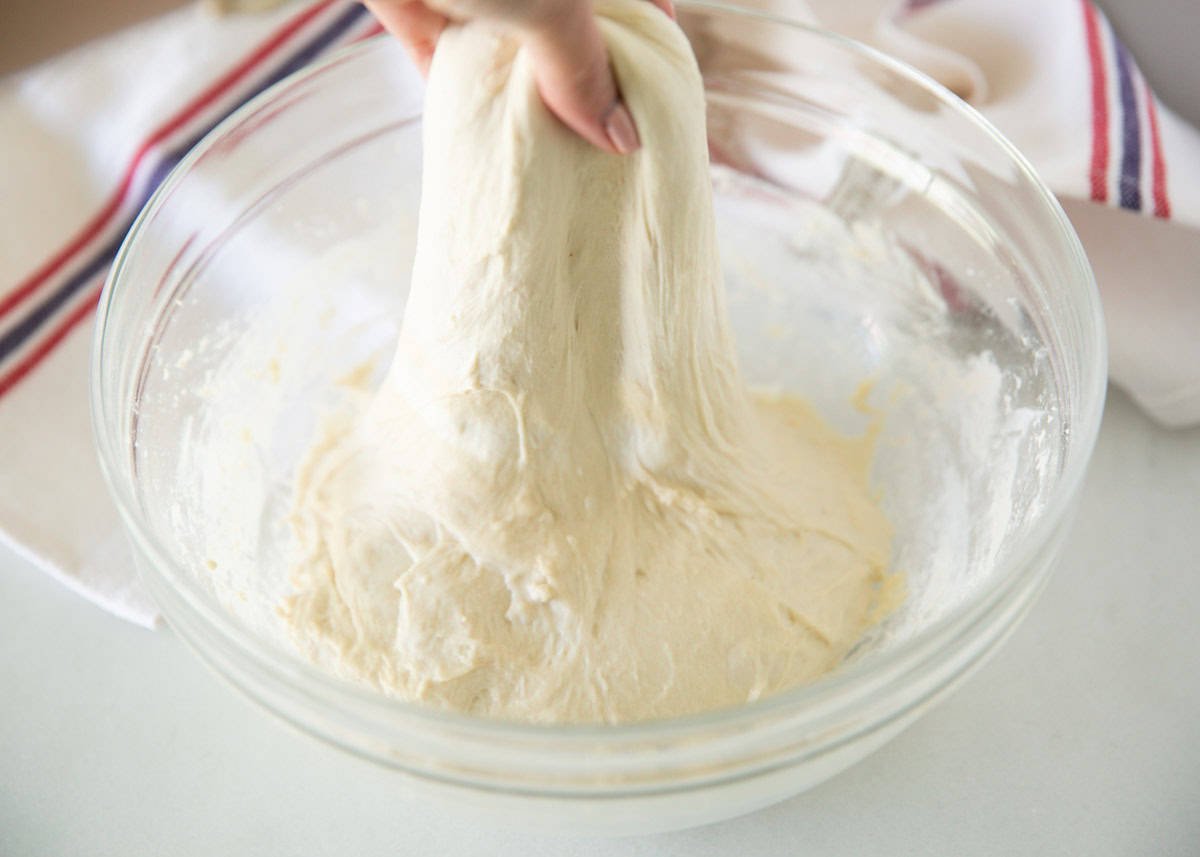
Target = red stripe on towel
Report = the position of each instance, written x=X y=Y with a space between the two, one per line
x=1098 y=174
x=27 y=363
x=1162 y=204
x=93 y=227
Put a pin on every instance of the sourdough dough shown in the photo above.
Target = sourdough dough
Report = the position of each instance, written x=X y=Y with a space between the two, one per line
x=563 y=505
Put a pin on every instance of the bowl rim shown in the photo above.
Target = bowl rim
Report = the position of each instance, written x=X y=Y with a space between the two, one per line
x=829 y=696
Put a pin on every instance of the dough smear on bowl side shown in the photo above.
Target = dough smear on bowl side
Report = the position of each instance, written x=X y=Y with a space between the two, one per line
x=563 y=505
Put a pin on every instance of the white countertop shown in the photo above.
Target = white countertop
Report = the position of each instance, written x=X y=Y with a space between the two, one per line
x=1082 y=736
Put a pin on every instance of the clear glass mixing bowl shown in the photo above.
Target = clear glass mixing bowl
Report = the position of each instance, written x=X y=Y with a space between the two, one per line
x=873 y=228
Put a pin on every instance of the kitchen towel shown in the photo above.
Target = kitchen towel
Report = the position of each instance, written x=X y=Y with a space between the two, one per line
x=86 y=139
x=1054 y=78
x=87 y=136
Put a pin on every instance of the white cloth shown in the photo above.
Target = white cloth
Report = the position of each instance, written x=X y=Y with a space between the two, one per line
x=1055 y=79
x=1043 y=71
x=73 y=129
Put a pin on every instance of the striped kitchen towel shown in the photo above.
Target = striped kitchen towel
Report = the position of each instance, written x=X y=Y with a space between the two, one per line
x=1055 y=79
x=89 y=135
x=87 y=138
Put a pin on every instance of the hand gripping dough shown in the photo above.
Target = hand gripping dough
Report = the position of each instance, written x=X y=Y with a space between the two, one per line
x=562 y=505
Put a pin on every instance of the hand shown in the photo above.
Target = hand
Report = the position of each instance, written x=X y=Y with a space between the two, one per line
x=569 y=55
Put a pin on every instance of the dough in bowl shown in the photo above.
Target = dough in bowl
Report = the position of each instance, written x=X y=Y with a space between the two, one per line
x=563 y=505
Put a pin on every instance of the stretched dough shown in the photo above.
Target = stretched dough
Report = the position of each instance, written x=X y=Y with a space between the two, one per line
x=563 y=505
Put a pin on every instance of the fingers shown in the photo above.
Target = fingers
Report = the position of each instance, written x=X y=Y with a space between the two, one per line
x=569 y=55
x=412 y=22
x=667 y=6
x=571 y=67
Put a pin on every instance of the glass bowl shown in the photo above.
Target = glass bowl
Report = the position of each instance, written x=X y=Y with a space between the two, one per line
x=883 y=248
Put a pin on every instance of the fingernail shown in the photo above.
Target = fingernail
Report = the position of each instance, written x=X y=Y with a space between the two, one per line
x=620 y=130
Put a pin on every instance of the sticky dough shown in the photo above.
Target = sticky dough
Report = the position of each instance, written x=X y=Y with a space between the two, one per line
x=563 y=505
